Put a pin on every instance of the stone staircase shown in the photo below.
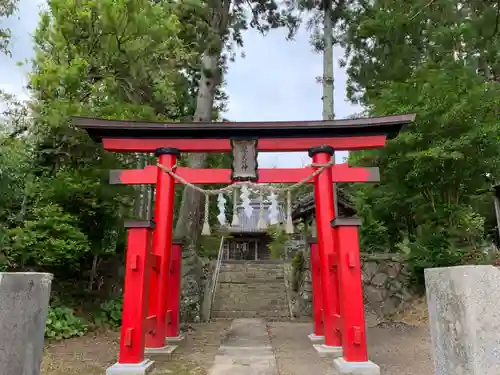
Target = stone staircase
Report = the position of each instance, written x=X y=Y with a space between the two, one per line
x=253 y=289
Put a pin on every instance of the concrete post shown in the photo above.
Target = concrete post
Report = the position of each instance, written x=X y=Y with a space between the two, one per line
x=24 y=302
x=464 y=318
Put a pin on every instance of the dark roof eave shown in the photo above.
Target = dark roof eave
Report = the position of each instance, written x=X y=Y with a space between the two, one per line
x=101 y=128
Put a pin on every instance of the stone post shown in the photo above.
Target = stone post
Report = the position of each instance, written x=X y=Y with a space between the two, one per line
x=318 y=329
x=24 y=302
x=464 y=318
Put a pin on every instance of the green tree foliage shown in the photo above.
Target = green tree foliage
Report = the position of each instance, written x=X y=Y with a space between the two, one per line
x=51 y=238
x=388 y=40
x=279 y=241
x=439 y=60
x=13 y=171
x=7 y=9
x=113 y=59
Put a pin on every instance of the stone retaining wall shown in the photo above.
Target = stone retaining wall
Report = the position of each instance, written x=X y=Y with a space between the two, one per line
x=386 y=285
x=194 y=276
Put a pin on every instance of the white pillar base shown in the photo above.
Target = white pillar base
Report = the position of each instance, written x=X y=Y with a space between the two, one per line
x=355 y=368
x=167 y=349
x=175 y=339
x=328 y=351
x=142 y=368
x=316 y=338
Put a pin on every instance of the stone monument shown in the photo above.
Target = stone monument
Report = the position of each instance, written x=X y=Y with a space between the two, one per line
x=24 y=301
x=464 y=318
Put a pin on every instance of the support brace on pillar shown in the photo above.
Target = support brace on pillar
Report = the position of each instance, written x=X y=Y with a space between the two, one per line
x=323 y=193
x=352 y=324
x=135 y=298
x=174 y=292
x=318 y=327
x=162 y=244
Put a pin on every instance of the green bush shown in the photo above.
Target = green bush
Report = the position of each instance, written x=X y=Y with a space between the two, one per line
x=110 y=313
x=51 y=239
x=279 y=241
x=209 y=246
x=437 y=247
x=63 y=324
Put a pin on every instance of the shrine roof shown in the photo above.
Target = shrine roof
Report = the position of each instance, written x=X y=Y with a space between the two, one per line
x=389 y=126
x=305 y=206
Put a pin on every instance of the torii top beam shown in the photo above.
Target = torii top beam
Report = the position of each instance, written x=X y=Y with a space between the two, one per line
x=348 y=134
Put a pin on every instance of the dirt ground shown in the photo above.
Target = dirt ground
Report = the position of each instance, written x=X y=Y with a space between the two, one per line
x=398 y=349
x=92 y=354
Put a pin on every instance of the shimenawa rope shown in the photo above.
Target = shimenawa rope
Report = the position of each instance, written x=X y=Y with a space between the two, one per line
x=255 y=186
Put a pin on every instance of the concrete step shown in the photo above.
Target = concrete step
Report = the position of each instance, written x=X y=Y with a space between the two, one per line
x=249 y=314
x=263 y=312
x=251 y=288
x=242 y=278
x=246 y=266
x=261 y=304
x=239 y=305
x=253 y=264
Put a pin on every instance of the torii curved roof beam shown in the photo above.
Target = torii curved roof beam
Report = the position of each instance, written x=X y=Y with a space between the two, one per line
x=388 y=126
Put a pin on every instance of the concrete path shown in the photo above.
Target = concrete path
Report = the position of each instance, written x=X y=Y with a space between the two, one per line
x=397 y=349
x=245 y=351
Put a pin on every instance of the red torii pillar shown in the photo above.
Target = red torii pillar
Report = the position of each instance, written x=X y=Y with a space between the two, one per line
x=135 y=300
x=354 y=359
x=325 y=212
x=173 y=333
x=162 y=246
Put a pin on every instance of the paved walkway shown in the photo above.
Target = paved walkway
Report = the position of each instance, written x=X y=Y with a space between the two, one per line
x=245 y=351
x=397 y=349
x=252 y=347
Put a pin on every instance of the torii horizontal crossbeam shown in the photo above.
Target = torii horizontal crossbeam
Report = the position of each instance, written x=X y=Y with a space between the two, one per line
x=340 y=173
x=224 y=145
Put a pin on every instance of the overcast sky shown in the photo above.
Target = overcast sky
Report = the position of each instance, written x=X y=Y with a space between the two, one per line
x=276 y=80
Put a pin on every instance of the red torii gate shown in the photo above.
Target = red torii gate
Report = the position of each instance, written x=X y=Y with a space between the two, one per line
x=152 y=278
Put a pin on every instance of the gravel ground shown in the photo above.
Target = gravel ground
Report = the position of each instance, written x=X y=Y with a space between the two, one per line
x=294 y=352
x=398 y=350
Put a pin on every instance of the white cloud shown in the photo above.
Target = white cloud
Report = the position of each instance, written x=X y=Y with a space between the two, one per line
x=276 y=81
x=13 y=78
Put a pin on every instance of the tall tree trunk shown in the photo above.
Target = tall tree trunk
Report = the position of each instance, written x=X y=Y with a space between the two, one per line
x=140 y=202
x=328 y=83
x=189 y=220
x=149 y=202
